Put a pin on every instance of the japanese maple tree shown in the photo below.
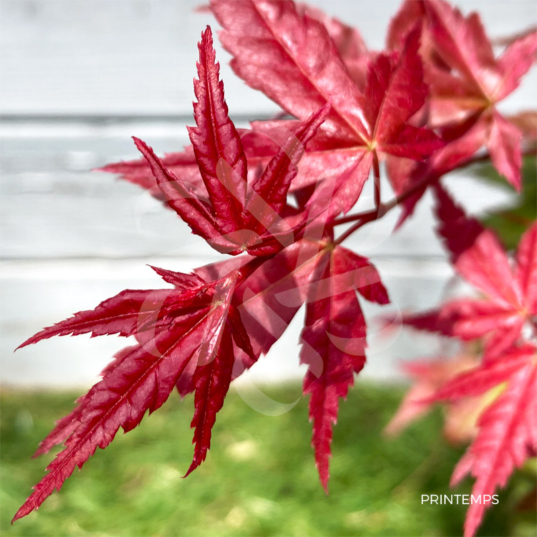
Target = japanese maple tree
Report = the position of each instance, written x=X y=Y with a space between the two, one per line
x=273 y=197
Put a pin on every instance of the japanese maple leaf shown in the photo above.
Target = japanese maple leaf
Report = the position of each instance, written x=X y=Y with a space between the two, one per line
x=428 y=375
x=348 y=41
x=334 y=341
x=478 y=80
x=237 y=215
x=275 y=289
x=297 y=65
x=184 y=341
x=357 y=127
x=186 y=338
x=259 y=147
x=510 y=293
x=263 y=315
x=325 y=277
x=469 y=122
x=507 y=429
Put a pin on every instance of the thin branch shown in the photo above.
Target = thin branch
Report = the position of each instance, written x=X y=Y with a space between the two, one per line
x=382 y=208
x=358 y=216
x=352 y=229
x=376 y=177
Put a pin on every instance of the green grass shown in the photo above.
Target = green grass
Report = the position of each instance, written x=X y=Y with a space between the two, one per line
x=259 y=478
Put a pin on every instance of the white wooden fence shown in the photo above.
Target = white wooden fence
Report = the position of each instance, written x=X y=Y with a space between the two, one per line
x=78 y=78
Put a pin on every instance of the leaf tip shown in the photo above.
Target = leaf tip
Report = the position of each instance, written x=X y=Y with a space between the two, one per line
x=206 y=43
x=191 y=468
x=25 y=343
x=21 y=513
x=138 y=142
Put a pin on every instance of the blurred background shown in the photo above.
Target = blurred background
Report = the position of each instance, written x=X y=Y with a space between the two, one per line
x=78 y=78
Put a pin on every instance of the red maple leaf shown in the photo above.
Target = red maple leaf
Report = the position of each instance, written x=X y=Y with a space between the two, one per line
x=186 y=337
x=428 y=375
x=369 y=110
x=334 y=341
x=477 y=81
x=265 y=138
x=237 y=215
x=372 y=97
x=359 y=124
x=466 y=82
x=510 y=293
x=259 y=298
x=507 y=429
x=506 y=378
x=324 y=277
x=205 y=332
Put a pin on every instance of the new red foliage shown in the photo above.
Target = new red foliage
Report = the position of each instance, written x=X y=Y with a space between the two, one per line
x=506 y=323
x=184 y=337
x=334 y=341
x=509 y=304
x=507 y=430
x=425 y=107
x=428 y=375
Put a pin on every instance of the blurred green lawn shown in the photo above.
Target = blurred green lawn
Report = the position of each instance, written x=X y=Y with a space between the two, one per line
x=259 y=478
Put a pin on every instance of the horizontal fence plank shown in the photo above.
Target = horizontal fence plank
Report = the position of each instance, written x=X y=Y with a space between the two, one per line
x=129 y=57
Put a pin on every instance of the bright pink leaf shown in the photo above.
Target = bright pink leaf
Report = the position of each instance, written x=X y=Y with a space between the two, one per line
x=504 y=146
x=526 y=272
x=507 y=437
